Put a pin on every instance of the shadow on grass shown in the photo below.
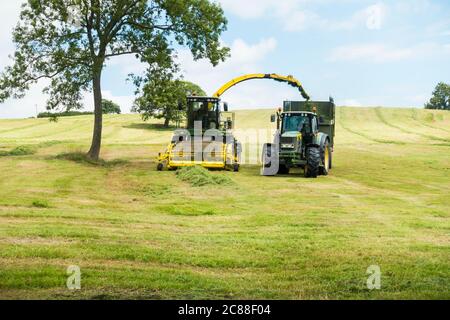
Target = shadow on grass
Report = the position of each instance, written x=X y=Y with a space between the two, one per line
x=82 y=158
x=150 y=126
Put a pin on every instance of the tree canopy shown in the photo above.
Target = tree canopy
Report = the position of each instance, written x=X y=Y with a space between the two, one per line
x=165 y=98
x=441 y=98
x=110 y=107
x=68 y=42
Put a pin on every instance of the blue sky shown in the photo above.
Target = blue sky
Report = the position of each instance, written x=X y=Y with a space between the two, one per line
x=361 y=52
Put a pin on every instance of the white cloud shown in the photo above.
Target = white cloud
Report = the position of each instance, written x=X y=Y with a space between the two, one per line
x=245 y=58
x=380 y=53
x=241 y=52
x=349 y=103
x=251 y=9
x=375 y=16
x=300 y=20
x=295 y=15
x=26 y=107
x=9 y=16
x=419 y=99
x=369 y=52
x=125 y=102
x=415 y=6
x=127 y=64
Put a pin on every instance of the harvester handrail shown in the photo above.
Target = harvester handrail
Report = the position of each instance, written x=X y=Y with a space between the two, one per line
x=288 y=79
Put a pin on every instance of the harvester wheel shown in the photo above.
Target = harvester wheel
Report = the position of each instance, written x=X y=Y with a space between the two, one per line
x=312 y=162
x=236 y=167
x=160 y=167
x=325 y=155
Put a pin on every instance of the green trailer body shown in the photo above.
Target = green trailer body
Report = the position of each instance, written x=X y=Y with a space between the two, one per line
x=325 y=110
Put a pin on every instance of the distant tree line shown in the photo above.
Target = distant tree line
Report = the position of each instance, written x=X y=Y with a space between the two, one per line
x=441 y=98
x=108 y=107
x=63 y=114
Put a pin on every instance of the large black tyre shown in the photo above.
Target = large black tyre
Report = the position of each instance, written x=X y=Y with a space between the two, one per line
x=312 y=162
x=325 y=156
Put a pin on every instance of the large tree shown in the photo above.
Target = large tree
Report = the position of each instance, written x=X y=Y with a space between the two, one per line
x=70 y=41
x=441 y=98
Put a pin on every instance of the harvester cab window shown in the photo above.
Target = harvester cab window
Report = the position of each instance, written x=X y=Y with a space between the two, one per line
x=196 y=106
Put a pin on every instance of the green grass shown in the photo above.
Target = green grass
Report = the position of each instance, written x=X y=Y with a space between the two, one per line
x=199 y=177
x=18 y=151
x=40 y=204
x=139 y=233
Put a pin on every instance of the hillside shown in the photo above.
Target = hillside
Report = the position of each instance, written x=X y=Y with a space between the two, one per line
x=138 y=233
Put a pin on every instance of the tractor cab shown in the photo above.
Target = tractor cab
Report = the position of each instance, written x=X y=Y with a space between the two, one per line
x=296 y=127
x=211 y=112
x=306 y=117
x=299 y=122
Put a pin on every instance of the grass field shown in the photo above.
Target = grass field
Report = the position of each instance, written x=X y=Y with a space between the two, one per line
x=138 y=233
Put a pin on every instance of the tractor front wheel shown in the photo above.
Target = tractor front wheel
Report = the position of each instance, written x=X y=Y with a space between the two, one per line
x=312 y=162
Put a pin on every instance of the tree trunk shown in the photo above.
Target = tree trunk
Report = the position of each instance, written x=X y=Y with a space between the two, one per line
x=166 y=123
x=94 y=152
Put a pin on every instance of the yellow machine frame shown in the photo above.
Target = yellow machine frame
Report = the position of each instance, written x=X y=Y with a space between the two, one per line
x=225 y=156
x=168 y=157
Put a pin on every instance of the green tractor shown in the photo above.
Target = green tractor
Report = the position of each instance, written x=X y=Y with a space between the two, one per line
x=304 y=139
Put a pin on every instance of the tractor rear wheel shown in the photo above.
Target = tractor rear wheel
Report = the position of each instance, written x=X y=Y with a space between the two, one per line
x=312 y=162
x=325 y=155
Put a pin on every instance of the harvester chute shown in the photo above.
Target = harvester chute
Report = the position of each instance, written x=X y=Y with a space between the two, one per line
x=273 y=76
